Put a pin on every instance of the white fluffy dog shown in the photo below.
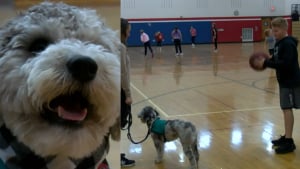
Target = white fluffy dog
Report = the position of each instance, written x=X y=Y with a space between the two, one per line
x=60 y=85
x=167 y=130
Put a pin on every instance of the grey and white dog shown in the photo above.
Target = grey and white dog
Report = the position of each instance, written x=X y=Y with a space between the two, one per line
x=168 y=130
x=60 y=86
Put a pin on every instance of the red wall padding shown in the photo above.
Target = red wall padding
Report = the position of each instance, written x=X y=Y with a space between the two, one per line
x=232 y=30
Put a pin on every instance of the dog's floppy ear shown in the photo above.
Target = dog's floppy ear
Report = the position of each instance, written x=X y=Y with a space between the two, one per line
x=156 y=113
x=140 y=114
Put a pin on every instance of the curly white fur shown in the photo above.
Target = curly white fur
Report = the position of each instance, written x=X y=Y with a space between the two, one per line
x=31 y=80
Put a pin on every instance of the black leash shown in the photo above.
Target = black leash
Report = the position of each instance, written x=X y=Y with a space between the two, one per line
x=129 y=124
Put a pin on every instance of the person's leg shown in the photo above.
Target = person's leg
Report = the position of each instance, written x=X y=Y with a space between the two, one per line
x=125 y=109
x=287 y=145
x=287 y=101
x=179 y=46
x=216 y=44
x=145 y=48
x=193 y=41
x=288 y=122
x=150 y=48
x=294 y=99
x=176 y=45
x=159 y=46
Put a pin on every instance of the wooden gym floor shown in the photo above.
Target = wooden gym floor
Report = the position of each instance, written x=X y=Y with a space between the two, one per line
x=235 y=109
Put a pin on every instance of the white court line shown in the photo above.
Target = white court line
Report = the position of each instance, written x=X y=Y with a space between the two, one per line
x=226 y=111
x=149 y=100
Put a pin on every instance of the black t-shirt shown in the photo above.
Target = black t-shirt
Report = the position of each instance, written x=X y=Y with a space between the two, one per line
x=285 y=61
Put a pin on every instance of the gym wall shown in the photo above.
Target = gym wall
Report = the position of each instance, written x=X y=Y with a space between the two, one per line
x=232 y=17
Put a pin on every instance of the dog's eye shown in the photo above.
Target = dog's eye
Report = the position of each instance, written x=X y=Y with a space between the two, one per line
x=38 y=45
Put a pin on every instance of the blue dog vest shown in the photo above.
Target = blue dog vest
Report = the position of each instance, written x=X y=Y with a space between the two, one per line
x=158 y=126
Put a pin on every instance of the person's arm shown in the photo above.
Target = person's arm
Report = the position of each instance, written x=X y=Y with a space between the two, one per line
x=125 y=73
x=142 y=38
x=284 y=62
x=147 y=38
x=180 y=35
x=266 y=43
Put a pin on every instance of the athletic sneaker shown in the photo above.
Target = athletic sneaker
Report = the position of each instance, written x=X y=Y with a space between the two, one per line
x=279 y=141
x=126 y=162
x=286 y=146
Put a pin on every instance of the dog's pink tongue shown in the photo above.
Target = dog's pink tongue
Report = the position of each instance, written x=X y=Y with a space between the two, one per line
x=74 y=115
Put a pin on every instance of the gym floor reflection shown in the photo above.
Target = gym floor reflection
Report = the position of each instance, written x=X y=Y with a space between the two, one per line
x=235 y=109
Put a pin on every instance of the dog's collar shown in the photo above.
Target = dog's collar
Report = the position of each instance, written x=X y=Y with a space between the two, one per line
x=22 y=155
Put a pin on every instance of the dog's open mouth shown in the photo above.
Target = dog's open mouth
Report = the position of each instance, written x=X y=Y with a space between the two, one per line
x=68 y=108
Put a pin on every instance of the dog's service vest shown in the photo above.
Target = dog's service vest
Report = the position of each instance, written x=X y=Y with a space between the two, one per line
x=158 y=126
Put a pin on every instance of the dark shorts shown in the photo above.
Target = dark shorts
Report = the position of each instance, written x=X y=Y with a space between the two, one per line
x=289 y=97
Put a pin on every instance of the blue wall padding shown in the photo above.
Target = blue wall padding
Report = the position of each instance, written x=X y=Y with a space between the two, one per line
x=203 y=31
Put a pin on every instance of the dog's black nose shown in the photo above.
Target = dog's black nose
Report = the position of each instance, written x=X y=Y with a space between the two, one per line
x=82 y=68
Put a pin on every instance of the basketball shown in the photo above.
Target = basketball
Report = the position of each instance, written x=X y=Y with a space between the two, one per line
x=256 y=56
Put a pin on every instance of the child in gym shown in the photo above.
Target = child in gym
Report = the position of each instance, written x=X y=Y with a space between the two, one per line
x=285 y=62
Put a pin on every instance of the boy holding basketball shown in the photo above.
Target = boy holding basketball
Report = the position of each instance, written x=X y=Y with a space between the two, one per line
x=285 y=62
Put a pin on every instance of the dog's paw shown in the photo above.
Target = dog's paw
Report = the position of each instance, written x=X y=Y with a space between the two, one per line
x=158 y=160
